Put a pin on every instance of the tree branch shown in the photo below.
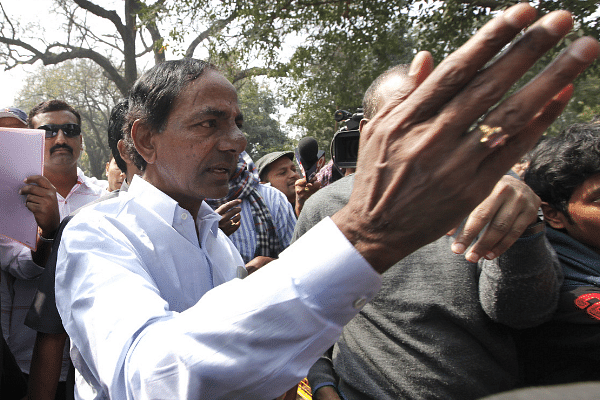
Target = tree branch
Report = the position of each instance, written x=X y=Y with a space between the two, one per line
x=12 y=27
x=49 y=58
x=217 y=26
x=255 y=71
x=157 y=40
x=112 y=16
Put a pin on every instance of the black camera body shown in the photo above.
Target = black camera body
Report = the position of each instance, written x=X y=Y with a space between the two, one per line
x=344 y=146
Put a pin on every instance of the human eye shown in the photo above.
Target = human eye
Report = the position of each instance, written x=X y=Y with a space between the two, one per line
x=209 y=123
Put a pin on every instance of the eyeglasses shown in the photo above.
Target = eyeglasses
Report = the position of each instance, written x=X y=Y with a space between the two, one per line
x=69 y=130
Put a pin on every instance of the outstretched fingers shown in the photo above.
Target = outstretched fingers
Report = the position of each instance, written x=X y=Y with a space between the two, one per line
x=458 y=69
x=517 y=123
x=491 y=83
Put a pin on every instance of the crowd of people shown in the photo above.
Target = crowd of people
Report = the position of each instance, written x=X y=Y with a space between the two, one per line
x=430 y=271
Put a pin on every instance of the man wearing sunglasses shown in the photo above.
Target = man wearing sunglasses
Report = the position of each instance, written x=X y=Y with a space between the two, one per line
x=61 y=190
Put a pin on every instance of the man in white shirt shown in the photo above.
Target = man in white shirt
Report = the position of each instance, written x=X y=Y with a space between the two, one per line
x=62 y=189
x=146 y=284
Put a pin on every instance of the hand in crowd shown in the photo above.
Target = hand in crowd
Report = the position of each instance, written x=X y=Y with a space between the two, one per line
x=303 y=191
x=509 y=210
x=41 y=201
x=230 y=216
x=422 y=167
x=257 y=263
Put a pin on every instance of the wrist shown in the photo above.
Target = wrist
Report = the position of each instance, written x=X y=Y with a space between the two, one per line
x=45 y=236
x=533 y=229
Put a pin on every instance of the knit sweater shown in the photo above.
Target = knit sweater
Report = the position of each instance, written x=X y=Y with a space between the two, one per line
x=441 y=327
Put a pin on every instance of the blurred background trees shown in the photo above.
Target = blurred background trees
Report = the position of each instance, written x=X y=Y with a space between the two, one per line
x=288 y=58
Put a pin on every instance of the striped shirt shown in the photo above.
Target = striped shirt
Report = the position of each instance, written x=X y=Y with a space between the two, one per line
x=284 y=220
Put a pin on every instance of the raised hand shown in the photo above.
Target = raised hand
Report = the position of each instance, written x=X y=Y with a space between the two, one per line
x=423 y=165
x=230 y=216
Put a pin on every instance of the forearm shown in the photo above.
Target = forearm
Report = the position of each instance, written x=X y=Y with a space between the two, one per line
x=17 y=260
x=44 y=245
x=521 y=287
x=46 y=364
x=322 y=378
x=311 y=290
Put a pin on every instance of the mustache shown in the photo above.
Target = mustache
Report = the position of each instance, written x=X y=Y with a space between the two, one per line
x=61 y=146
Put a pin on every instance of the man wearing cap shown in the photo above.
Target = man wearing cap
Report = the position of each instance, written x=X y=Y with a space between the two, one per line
x=11 y=117
x=267 y=221
x=279 y=170
x=62 y=189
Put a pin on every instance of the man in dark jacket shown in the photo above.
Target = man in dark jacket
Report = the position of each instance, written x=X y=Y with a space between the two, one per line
x=565 y=172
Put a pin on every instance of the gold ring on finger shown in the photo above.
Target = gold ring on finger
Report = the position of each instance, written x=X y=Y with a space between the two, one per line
x=492 y=136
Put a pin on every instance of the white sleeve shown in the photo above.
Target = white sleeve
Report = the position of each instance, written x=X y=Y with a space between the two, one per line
x=246 y=339
x=15 y=258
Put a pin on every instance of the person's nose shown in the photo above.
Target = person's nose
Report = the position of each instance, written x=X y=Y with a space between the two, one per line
x=234 y=141
x=60 y=137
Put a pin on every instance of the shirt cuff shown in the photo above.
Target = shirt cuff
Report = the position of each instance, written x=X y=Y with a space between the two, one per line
x=337 y=281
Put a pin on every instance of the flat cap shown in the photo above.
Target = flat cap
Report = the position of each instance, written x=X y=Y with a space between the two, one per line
x=270 y=158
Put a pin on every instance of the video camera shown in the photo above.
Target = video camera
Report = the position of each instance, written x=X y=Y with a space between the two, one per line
x=344 y=146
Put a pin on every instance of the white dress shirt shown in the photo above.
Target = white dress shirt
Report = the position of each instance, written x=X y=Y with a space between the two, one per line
x=154 y=309
x=20 y=277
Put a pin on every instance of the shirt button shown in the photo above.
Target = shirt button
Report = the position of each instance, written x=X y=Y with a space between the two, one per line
x=359 y=303
x=184 y=216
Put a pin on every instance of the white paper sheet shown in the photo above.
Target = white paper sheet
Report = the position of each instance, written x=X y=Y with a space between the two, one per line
x=21 y=155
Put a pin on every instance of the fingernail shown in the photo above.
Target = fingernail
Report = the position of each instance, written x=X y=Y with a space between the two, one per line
x=458 y=248
x=472 y=257
x=558 y=23
x=490 y=256
x=520 y=15
x=416 y=63
x=585 y=49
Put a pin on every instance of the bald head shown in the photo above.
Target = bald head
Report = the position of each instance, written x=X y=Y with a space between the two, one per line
x=383 y=88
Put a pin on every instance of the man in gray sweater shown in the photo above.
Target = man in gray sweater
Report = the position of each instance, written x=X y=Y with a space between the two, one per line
x=440 y=327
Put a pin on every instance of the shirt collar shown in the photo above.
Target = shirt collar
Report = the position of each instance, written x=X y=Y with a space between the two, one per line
x=154 y=199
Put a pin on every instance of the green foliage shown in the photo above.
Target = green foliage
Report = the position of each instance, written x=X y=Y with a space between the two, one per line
x=343 y=46
x=441 y=27
x=261 y=128
x=583 y=106
x=84 y=86
x=351 y=46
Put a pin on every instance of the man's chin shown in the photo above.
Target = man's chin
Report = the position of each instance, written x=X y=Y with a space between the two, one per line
x=219 y=192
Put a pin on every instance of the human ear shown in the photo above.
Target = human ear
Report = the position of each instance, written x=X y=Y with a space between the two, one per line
x=362 y=124
x=142 y=140
x=121 y=148
x=553 y=217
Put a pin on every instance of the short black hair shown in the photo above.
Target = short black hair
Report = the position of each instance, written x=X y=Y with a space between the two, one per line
x=559 y=165
x=371 y=97
x=115 y=131
x=152 y=97
x=49 y=106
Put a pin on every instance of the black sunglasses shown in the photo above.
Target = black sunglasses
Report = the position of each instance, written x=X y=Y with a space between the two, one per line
x=70 y=130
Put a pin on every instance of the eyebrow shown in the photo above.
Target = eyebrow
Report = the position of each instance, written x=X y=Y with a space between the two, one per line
x=211 y=112
x=208 y=111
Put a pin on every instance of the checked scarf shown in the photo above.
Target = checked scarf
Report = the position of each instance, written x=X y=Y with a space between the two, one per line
x=242 y=185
